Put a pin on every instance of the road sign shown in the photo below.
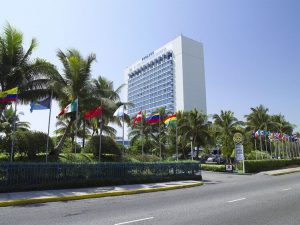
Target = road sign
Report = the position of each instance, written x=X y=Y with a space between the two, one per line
x=239 y=152
x=238 y=138
x=229 y=168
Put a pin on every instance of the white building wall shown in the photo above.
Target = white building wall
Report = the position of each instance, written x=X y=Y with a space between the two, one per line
x=189 y=89
x=194 y=92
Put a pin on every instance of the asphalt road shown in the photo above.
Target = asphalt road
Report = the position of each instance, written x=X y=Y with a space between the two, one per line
x=223 y=200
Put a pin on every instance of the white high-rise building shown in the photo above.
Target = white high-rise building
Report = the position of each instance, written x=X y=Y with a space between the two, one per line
x=171 y=76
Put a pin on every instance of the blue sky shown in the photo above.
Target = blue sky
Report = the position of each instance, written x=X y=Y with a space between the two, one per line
x=251 y=47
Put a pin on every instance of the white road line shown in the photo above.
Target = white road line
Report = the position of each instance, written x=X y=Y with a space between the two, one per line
x=235 y=200
x=287 y=189
x=133 y=221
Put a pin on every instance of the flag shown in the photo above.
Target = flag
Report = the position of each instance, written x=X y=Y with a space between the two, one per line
x=120 y=111
x=153 y=119
x=271 y=136
x=72 y=107
x=96 y=112
x=170 y=120
x=9 y=95
x=40 y=105
x=137 y=118
x=257 y=133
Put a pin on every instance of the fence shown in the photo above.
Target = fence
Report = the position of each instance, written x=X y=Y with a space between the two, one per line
x=24 y=176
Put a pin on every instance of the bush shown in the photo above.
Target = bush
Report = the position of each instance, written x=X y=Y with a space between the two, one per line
x=135 y=148
x=254 y=166
x=29 y=143
x=213 y=167
x=260 y=155
x=141 y=158
x=78 y=157
x=109 y=149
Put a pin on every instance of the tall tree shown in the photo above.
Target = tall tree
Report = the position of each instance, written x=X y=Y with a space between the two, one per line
x=195 y=126
x=71 y=84
x=17 y=69
x=228 y=125
x=141 y=131
x=281 y=125
x=259 y=119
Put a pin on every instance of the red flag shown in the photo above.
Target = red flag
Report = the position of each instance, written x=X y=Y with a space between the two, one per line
x=96 y=112
x=137 y=118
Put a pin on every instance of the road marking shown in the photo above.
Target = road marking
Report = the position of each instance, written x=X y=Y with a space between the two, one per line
x=235 y=200
x=133 y=221
x=287 y=189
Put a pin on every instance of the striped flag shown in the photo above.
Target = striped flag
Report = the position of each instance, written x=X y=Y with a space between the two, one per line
x=9 y=95
x=72 y=107
x=170 y=120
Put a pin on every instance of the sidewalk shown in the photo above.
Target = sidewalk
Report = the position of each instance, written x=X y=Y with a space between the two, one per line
x=282 y=171
x=20 y=198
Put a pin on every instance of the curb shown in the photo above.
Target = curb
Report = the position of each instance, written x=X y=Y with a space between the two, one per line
x=283 y=173
x=93 y=195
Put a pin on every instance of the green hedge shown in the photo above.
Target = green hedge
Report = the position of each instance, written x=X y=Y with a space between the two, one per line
x=255 y=166
x=213 y=167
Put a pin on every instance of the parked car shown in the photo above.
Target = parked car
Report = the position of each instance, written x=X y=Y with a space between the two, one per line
x=215 y=159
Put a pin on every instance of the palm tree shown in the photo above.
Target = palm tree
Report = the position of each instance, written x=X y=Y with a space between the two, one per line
x=6 y=124
x=228 y=125
x=6 y=121
x=17 y=69
x=141 y=131
x=194 y=126
x=105 y=95
x=73 y=83
x=259 y=119
x=281 y=125
x=109 y=98
x=159 y=131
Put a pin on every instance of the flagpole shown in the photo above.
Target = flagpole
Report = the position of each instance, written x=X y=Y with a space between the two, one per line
x=123 y=126
x=142 y=134
x=100 y=137
x=14 y=131
x=159 y=138
x=255 y=147
x=100 y=132
x=47 y=148
x=261 y=146
x=266 y=145
x=270 y=148
x=176 y=141
x=76 y=125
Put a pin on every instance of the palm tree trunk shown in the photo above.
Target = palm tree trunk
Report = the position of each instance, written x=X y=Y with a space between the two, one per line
x=58 y=147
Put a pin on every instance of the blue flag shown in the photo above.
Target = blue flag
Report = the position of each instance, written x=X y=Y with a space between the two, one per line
x=40 y=105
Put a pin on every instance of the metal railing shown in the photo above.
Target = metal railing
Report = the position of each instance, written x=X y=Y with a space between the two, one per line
x=14 y=175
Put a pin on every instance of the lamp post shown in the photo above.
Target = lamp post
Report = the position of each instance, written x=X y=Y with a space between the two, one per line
x=191 y=139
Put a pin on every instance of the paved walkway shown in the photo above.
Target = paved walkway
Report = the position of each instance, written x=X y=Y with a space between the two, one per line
x=29 y=197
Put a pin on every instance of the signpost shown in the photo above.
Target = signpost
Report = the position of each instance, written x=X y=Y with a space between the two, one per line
x=239 y=149
x=229 y=168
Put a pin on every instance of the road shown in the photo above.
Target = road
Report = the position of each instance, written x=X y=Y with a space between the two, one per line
x=225 y=199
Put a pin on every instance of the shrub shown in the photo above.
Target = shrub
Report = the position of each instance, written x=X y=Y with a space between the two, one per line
x=141 y=158
x=254 y=166
x=78 y=157
x=109 y=148
x=259 y=154
x=213 y=167
x=30 y=143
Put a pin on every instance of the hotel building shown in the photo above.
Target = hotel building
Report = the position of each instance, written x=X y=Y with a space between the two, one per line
x=171 y=77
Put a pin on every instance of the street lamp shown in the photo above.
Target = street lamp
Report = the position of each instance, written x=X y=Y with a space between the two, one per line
x=191 y=139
